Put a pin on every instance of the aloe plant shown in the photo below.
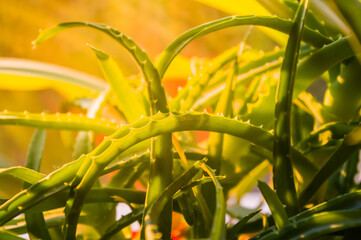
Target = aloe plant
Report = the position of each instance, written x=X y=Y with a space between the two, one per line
x=264 y=119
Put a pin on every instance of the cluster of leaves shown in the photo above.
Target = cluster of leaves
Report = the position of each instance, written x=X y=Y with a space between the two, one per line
x=259 y=116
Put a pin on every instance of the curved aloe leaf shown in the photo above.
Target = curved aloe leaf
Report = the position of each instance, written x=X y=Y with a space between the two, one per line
x=310 y=36
x=151 y=75
x=35 y=222
x=349 y=201
x=317 y=225
x=283 y=179
x=64 y=121
x=124 y=138
x=161 y=149
x=32 y=73
x=309 y=69
x=25 y=174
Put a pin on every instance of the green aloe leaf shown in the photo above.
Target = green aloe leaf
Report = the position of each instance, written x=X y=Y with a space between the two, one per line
x=218 y=224
x=63 y=121
x=123 y=139
x=283 y=178
x=310 y=36
x=121 y=88
x=35 y=222
x=317 y=225
x=277 y=208
x=232 y=233
x=151 y=75
x=123 y=222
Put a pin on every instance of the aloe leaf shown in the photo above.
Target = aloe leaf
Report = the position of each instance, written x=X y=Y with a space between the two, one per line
x=122 y=223
x=152 y=215
x=351 y=10
x=35 y=222
x=310 y=36
x=161 y=152
x=121 y=140
x=317 y=225
x=350 y=145
x=309 y=69
x=277 y=208
x=218 y=224
x=32 y=73
x=282 y=167
x=349 y=201
x=25 y=174
x=124 y=93
x=151 y=75
x=232 y=233
x=311 y=20
x=64 y=121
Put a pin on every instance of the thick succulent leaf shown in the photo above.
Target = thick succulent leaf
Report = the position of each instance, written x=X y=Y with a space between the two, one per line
x=123 y=139
x=277 y=208
x=63 y=121
x=310 y=36
x=35 y=222
x=218 y=224
x=283 y=178
x=317 y=225
x=309 y=69
x=156 y=91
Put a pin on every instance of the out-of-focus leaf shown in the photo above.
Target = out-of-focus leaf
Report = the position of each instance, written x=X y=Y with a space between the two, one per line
x=243 y=8
x=316 y=225
x=277 y=208
x=35 y=222
x=9 y=236
x=233 y=231
x=350 y=144
x=250 y=179
x=25 y=174
x=21 y=74
x=58 y=121
x=128 y=100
